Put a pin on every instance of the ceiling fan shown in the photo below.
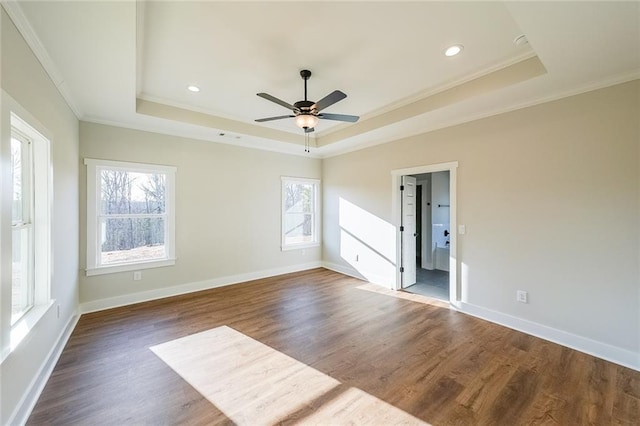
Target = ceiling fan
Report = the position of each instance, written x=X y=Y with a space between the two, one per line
x=307 y=112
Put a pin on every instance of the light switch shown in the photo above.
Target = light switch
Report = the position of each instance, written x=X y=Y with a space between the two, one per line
x=462 y=229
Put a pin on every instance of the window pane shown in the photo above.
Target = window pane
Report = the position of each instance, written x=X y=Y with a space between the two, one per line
x=298 y=228
x=132 y=240
x=16 y=173
x=298 y=198
x=125 y=192
x=22 y=277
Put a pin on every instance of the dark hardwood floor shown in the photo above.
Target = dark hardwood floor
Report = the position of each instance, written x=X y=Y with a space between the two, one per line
x=433 y=363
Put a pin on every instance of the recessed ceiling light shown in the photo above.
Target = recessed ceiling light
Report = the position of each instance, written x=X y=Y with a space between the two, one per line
x=453 y=50
x=193 y=88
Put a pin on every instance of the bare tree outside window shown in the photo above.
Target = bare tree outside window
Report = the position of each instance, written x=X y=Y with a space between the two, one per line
x=133 y=207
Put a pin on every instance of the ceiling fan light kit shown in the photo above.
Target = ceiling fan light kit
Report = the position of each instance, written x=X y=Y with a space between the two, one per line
x=306 y=121
x=306 y=112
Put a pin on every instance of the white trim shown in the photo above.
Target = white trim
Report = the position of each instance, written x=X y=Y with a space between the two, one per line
x=40 y=214
x=94 y=166
x=316 y=212
x=33 y=41
x=136 y=266
x=23 y=326
x=129 y=166
x=598 y=349
x=352 y=272
x=345 y=270
x=23 y=409
x=301 y=246
x=439 y=88
x=592 y=347
x=584 y=88
x=144 y=296
x=396 y=177
x=193 y=132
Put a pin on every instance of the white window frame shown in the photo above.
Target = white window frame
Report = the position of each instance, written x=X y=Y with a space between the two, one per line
x=316 y=212
x=94 y=169
x=26 y=223
x=40 y=205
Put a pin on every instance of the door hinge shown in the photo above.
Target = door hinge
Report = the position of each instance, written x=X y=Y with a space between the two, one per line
x=402 y=229
x=402 y=269
x=401 y=187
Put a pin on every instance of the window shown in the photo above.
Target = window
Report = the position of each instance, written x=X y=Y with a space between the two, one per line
x=30 y=213
x=300 y=207
x=130 y=216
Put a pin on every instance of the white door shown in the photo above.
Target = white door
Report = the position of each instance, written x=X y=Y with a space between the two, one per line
x=408 y=231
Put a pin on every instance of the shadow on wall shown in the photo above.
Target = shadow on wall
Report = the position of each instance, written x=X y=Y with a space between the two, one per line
x=367 y=243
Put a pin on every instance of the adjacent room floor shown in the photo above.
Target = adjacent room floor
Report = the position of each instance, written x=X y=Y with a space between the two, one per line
x=431 y=283
x=320 y=347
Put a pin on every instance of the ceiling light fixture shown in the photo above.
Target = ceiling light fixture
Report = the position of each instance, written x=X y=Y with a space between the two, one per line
x=521 y=40
x=193 y=88
x=306 y=121
x=453 y=50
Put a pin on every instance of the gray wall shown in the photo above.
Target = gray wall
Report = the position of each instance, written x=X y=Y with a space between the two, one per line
x=25 y=81
x=550 y=198
x=227 y=209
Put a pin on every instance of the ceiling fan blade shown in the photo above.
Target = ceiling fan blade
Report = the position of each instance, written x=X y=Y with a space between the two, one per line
x=280 y=117
x=309 y=130
x=278 y=101
x=329 y=100
x=339 y=117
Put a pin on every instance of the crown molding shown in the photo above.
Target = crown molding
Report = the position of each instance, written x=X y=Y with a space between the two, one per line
x=268 y=145
x=13 y=9
x=584 y=88
x=439 y=88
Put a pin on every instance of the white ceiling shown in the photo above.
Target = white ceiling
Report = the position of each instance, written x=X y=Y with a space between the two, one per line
x=387 y=56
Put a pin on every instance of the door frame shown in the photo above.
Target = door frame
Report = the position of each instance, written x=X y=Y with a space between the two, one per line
x=396 y=199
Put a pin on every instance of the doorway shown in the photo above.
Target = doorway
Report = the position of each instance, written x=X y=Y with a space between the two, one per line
x=433 y=235
x=426 y=245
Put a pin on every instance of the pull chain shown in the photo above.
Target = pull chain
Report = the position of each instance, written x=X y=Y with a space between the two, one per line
x=306 y=142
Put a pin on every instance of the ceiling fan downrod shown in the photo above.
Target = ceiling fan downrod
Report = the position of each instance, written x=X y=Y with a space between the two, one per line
x=305 y=74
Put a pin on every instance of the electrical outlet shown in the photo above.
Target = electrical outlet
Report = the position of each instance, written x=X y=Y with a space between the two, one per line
x=522 y=296
x=304 y=252
x=137 y=275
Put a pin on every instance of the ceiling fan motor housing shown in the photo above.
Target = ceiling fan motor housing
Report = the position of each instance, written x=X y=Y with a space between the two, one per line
x=305 y=107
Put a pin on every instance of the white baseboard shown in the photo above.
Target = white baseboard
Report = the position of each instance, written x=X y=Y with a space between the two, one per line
x=144 y=296
x=346 y=270
x=352 y=272
x=602 y=350
x=30 y=397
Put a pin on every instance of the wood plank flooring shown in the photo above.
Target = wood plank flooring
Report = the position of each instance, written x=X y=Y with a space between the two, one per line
x=434 y=364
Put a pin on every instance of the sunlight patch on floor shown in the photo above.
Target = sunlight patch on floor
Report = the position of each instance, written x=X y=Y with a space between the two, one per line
x=426 y=300
x=252 y=383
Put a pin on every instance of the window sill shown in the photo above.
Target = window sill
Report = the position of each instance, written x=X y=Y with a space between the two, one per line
x=130 y=267
x=27 y=322
x=299 y=246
